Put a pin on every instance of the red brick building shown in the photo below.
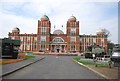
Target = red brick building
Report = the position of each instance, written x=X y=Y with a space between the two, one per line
x=72 y=41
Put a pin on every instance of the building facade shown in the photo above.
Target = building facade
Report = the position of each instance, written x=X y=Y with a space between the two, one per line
x=59 y=42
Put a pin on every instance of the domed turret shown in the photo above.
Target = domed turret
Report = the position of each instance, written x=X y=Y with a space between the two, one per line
x=72 y=18
x=101 y=31
x=16 y=29
x=44 y=17
x=58 y=32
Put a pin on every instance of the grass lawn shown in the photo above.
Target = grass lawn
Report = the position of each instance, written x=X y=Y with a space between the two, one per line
x=25 y=52
x=29 y=57
x=85 y=63
x=78 y=58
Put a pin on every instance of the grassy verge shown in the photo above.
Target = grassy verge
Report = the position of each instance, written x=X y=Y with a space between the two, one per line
x=78 y=58
x=29 y=57
x=26 y=52
x=85 y=63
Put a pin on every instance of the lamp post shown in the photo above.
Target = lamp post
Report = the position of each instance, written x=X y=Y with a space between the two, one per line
x=47 y=49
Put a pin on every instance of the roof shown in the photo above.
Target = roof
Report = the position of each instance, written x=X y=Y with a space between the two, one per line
x=44 y=17
x=101 y=31
x=72 y=18
x=58 y=32
x=16 y=29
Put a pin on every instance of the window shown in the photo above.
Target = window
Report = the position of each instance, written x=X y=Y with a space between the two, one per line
x=80 y=39
x=87 y=40
x=28 y=39
x=43 y=29
x=72 y=47
x=80 y=48
x=35 y=47
x=58 y=40
x=102 y=40
x=28 y=47
x=42 y=47
x=21 y=47
x=94 y=40
x=73 y=30
x=21 y=38
x=73 y=39
x=13 y=37
x=43 y=38
x=35 y=39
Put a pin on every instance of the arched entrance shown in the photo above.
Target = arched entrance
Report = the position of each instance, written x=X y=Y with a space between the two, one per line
x=58 y=45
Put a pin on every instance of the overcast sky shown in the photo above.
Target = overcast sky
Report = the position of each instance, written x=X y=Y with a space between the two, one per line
x=93 y=15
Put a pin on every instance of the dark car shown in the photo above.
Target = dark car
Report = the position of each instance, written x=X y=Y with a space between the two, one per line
x=41 y=51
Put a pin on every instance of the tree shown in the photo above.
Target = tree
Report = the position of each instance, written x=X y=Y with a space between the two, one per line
x=110 y=45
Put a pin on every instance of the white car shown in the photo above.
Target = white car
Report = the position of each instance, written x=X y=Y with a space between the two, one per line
x=116 y=56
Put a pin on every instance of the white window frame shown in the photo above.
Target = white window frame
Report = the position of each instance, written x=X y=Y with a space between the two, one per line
x=73 y=39
x=43 y=29
x=43 y=38
x=44 y=46
x=73 y=30
x=35 y=39
x=21 y=47
x=102 y=40
x=58 y=40
x=13 y=37
x=80 y=39
x=28 y=47
x=94 y=40
x=73 y=49
x=28 y=39
x=35 y=47
x=87 y=40
x=21 y=38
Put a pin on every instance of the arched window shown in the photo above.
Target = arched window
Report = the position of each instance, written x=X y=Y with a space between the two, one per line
x=58 y=40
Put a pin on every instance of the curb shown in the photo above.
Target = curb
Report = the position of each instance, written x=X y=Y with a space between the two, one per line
x=12 y=71
x=91 y=69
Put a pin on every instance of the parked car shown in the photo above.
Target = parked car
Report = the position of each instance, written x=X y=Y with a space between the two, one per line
x=116 y=56
x=106 y=57
x=41 y=51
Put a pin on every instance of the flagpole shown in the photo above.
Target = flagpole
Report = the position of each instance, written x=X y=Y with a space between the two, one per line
x=62 y=27
x=54 y=27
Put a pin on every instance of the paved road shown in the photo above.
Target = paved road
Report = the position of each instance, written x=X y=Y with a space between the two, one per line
x=7 y=68
x=54 y=67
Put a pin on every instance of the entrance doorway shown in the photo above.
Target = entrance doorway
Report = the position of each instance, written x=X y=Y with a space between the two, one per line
x=58 y=50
